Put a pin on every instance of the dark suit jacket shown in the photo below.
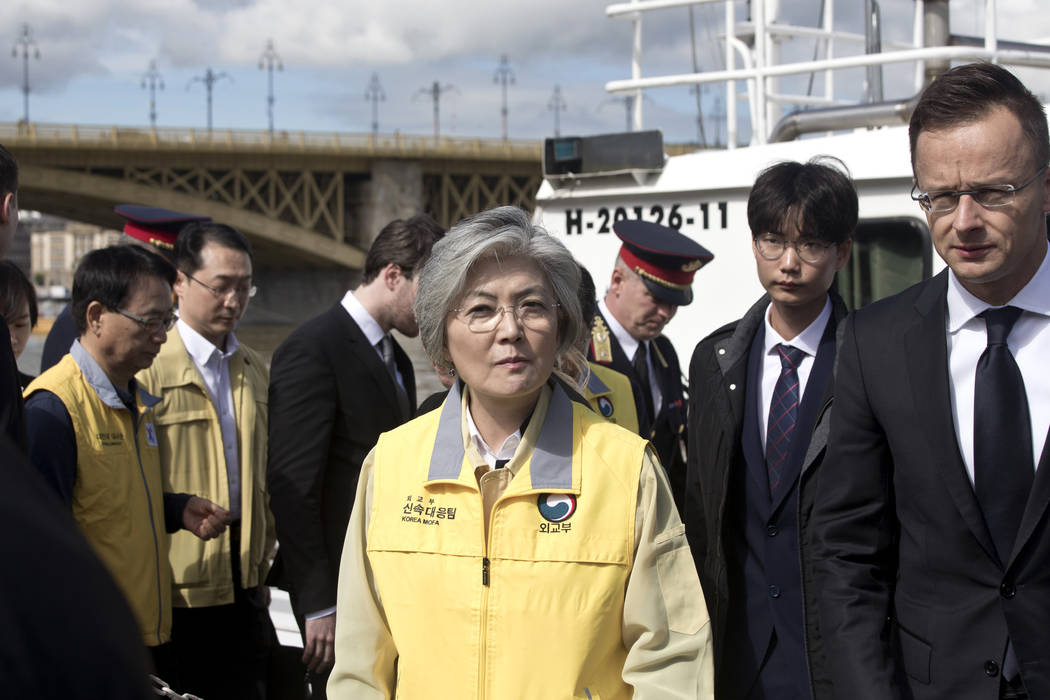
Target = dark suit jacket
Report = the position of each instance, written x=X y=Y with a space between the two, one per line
x=728 y=522
x=913 y=593
x=667 y=432
x=12 y=410
x=330 y=398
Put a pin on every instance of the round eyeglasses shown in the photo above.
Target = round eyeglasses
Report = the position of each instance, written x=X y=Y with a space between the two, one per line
x=989 y=197
x=534 y=314
x=771 y=247
x=239 y=289
x=152 y=325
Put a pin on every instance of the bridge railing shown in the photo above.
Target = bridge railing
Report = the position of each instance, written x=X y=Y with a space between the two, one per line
x=396 y=144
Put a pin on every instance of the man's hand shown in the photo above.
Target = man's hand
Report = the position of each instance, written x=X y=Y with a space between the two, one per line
x=204 y=518
x=319 y=646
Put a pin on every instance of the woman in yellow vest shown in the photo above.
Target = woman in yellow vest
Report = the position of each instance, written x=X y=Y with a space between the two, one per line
x=514 y=544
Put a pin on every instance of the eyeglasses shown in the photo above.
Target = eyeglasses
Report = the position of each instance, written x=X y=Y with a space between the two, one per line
x=153 y=325
x=990 y=197
x=771 y=247
x=534 y=314
x=240 y=289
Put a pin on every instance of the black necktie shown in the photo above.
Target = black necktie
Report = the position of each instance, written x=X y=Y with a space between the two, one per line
x=783 y=413
x=1002 y=443
x=641 y=368
x=386 y=346
x=1002 y=434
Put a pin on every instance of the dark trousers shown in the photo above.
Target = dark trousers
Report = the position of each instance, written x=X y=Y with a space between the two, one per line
x=222 y=651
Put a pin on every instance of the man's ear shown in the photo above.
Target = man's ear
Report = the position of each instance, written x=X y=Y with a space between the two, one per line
x=5 y=208
x=391 y=274
x=93 y=317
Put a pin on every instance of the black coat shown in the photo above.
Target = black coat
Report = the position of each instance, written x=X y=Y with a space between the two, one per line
x=667 y=432
x=330 y=398
x=912 y=590
x=713 y=503
x=12 y=410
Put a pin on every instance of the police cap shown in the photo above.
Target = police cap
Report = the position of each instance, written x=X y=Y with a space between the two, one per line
x=663 y=257
x=156 y=226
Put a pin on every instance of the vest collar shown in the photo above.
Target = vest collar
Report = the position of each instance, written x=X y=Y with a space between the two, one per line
x=550 y=467
x=596 y=386
x=100 y=383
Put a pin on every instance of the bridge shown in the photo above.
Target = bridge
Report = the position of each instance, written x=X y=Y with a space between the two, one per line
x=304 y=198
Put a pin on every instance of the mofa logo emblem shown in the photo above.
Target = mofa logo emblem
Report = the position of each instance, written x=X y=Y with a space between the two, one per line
x=557 y=507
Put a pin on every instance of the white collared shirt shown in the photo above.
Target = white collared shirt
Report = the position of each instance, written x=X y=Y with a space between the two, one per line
x=374 y=333
x=213 y=365
x=630 y=346
x=808 y=341
x=1029 y=342
x=506 y=450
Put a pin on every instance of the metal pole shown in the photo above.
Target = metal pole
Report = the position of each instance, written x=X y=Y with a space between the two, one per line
x=375 y=93
x=209 y=79
x=270 y=60
x=504 y=75
x=152 y=80
x=26 y=42
x=936 y=32
x=557 y=105
x=636 y=70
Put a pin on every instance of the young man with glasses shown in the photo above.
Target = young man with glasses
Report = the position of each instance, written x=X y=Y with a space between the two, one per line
x=931 y=533
x=758 y=388
x=212 y=431
x=93 y=434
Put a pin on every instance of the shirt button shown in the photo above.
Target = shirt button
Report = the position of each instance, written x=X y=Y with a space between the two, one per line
x=774 y=591
x=991 y=669
x=1007 y=590
x=772 y=530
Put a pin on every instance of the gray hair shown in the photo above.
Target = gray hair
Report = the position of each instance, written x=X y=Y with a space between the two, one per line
x=503 y=232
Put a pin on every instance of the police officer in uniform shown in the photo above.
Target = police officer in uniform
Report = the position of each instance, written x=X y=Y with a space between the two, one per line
x=652 y=277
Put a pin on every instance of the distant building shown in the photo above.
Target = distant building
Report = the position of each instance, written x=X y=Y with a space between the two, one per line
x=57 y=245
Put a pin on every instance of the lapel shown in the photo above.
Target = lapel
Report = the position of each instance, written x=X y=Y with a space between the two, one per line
x=733 y=360
x=1038 y=500
x=355 y=341
x=622 y=364
x=927 y=360
x=750 y=437
x=818 y=433
x=818 y=387
x=404 y=366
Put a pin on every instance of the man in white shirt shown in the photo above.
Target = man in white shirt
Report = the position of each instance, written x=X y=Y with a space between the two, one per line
x=931 y=533
x=757 y=390
x=212 y=431
x=338 y=381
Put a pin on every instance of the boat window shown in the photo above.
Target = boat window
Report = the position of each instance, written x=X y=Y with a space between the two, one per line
x=889 y=255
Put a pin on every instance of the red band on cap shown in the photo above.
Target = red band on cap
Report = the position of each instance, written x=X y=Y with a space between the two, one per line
x=676 y=278
x=161 y=239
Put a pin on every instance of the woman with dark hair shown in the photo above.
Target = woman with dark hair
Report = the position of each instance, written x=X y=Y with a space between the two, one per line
x=514 y=544
x=19 y=308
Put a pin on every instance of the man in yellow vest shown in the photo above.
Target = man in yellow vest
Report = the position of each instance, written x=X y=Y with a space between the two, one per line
x=211 y=426
x=92 y=433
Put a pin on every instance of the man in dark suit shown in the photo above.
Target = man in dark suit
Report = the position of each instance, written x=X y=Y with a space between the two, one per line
x=336 y=383
x=757 y=389
x=651 y=279
x=931 y=537
x=12 y=411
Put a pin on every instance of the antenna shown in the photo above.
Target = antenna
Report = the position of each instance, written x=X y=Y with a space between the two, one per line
x=268 y=61
x=209 y=79
x=376 y=94
x=504 y=75
x=26 y=42
x=152 y=80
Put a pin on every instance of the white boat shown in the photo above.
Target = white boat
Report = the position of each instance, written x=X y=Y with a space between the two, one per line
x=592 y=182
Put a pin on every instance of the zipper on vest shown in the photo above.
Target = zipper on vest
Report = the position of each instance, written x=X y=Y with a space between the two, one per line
x=485 y=571
x=153 y=524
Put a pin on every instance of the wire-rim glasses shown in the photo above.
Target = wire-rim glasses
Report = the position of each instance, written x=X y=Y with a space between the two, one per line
x=240 y=289
x=534 y=314
x=153 y=325
x=989 y=197
x=771 y=246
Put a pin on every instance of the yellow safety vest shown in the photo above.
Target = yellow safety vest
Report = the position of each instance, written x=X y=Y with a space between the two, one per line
x=117 y=498
x=534 y=612
x=193 y=461
x=609 y=393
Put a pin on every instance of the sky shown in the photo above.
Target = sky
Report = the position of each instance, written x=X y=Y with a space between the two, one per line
x=94 y=54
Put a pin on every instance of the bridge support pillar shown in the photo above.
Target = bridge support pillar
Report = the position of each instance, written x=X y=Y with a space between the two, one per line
x=394 y=191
